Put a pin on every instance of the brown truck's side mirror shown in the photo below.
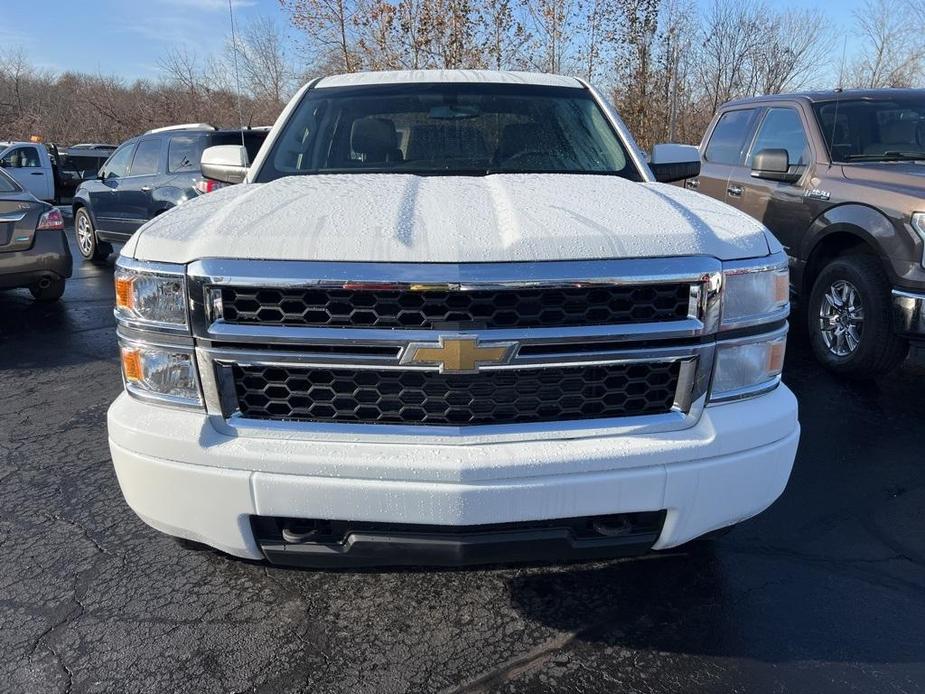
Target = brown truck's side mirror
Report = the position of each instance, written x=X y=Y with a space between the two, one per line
x=773 y=165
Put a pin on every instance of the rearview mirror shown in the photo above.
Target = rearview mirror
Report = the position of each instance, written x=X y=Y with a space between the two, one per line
x=225 y=163
x=773 y=165
x=671 y=162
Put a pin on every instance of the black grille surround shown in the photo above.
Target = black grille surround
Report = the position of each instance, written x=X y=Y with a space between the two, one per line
x=534 y=307
x=418 y=397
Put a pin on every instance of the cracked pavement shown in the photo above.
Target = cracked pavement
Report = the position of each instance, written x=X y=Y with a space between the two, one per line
x=825 y=592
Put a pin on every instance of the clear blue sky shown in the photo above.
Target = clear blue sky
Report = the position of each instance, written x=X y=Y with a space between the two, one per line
x=126 y=37
x=121 y=37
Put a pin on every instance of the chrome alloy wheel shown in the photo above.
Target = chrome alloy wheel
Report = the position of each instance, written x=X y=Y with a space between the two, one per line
x=841 y=318
x=84 y=235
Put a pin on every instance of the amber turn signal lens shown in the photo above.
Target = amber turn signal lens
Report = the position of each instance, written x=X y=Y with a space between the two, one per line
x=131 y=365
x=782 y=287
x=125 y=297
x=776 y=356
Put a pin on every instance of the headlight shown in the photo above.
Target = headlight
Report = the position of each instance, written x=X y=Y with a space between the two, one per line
x=151 y=295
x=160 y=373
x=748 y=366
x=754 y=294
x=918 y=223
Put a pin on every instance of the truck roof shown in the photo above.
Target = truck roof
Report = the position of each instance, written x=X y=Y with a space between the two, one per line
x=356 y=79
x=831 y=95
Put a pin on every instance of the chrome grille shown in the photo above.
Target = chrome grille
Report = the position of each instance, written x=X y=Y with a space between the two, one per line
x=537 y=307
x=503 y=396
x=573 y=367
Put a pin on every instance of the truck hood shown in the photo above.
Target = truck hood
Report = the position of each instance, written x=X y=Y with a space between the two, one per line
x=451 y=219
x=907 y=175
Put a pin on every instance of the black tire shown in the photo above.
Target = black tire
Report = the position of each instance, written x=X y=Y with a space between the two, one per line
x=50 y=292
x=90 y=247
x=852 y=344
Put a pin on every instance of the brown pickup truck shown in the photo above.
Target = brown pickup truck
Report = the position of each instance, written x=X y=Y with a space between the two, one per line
x=839 y=178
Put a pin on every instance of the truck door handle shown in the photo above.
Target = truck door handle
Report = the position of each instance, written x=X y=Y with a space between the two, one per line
x=692 y=183
x=37 y=173
x=735 y=191
x=146 y=189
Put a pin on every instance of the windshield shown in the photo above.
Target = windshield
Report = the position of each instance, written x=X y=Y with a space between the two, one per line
x=874 y=130
x=447 y=129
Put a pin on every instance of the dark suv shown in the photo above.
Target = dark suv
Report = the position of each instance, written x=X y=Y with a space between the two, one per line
x=839 y=177
x=146 y=176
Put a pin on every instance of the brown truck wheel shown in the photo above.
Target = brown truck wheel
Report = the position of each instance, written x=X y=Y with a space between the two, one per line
x=850 y=319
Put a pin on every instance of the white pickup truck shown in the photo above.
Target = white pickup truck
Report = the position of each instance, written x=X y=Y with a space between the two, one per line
x=450 y=317
x=30 y=166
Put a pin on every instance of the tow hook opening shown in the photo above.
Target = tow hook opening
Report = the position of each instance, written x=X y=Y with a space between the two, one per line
x=296 y=530
x=612 y=526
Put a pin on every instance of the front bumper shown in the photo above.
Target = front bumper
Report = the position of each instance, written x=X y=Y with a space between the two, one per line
x=909 y=313
x=49 y=256
x=184 y=477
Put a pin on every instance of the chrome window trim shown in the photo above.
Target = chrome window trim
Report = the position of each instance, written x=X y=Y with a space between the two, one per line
x=690 y=399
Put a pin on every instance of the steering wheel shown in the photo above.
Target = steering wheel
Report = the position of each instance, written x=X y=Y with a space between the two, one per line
x=534 y=153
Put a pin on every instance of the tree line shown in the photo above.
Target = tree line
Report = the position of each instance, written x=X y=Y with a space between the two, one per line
x=666 y=64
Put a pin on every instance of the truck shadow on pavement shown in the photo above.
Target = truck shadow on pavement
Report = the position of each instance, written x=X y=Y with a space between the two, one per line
x=727 y=602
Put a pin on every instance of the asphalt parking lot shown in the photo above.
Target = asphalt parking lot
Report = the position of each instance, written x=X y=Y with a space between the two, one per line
x=825 y=592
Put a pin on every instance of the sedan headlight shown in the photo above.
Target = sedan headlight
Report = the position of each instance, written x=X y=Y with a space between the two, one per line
x=160 y=372
x=918 y=223
x=151 y=295
x=748 y=366
x=754 y=294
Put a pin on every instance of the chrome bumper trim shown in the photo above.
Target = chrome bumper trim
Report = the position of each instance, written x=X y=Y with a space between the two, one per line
x=909 y=313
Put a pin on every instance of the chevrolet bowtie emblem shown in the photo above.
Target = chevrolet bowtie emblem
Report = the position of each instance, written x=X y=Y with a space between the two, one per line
x=458 y=355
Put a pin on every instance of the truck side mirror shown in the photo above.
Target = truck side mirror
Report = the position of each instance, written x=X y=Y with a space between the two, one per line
x=773 y=165
x=670 y=162
x=225 y=163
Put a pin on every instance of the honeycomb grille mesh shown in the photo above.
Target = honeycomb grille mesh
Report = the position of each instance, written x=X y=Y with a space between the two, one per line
x=430 y=398
x=505 y=308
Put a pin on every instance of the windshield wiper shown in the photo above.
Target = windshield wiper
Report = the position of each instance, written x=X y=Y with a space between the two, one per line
x=888 y=156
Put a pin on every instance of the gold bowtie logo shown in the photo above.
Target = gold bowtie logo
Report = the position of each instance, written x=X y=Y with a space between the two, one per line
x=458 y=355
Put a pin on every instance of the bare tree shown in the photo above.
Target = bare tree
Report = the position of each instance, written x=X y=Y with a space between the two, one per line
x=893 y=52
x=731 y=36
x=551 y=28
x=331 y=25
x=180 y=67
x=503 y=33
x=796 y=45
x=263 y=60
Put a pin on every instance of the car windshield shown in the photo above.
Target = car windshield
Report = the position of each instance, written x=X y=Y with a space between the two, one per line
x=7 y=183
x=857 y=130
x=448 y=129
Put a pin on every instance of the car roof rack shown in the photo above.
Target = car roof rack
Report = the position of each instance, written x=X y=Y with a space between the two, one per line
x=182 y=126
